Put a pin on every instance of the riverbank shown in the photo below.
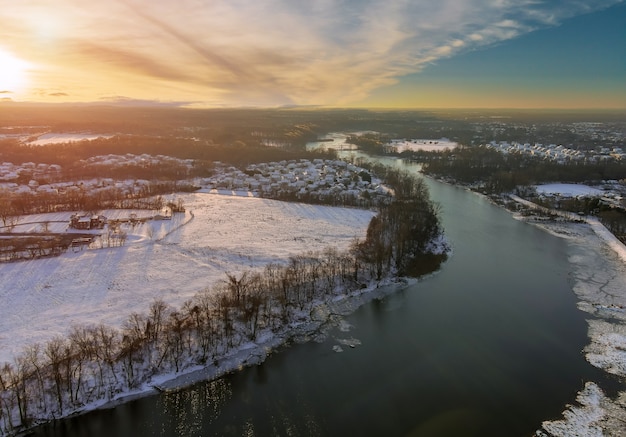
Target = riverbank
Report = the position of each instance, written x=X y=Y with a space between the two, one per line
x=310 y=325
x=313 y=323
x=599 y=281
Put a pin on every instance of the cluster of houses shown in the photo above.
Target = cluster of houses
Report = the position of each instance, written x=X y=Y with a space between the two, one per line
x=143 y=160
x=599 y=131
x=46 y=178
x=558 y=153
x=318 y=177
x=297 y=177
x=76 y=187
x=10 y=172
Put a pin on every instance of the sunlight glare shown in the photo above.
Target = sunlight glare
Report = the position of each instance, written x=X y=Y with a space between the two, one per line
x=13 y=72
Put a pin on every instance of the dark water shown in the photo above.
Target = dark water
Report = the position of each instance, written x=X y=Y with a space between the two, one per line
x=490 y=346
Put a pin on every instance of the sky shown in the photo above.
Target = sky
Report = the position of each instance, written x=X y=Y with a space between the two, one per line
x=331 y=53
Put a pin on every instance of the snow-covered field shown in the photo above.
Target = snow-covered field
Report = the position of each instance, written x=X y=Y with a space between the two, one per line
x=169 y=259
x=568 y=190
x=53 y=138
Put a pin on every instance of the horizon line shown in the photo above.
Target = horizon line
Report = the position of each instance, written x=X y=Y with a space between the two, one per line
x=189 y=106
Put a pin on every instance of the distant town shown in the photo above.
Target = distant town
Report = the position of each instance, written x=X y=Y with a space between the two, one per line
x=559 y=153
x=319 y=178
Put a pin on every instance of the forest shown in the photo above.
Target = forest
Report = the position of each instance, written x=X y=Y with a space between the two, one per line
x=495 y=173
x=500 y=173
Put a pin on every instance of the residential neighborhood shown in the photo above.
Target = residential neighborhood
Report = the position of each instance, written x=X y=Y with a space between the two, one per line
x=559 y=153
x=299 y=178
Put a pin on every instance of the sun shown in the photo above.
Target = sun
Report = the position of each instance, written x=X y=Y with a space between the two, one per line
x=13 y=72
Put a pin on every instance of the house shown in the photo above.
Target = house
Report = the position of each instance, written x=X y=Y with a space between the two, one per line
x=78 y=222
x=86 y=223
x=97 y=222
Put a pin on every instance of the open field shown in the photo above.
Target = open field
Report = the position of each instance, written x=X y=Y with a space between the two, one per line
x=169 y=259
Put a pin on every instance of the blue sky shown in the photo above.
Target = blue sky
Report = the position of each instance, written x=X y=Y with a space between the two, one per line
x=335 y=53
x=579 y=63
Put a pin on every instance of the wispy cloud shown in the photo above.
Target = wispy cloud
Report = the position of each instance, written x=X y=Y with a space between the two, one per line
x=269 y=52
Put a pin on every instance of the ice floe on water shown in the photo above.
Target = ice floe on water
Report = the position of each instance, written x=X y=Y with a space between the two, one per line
x=344 y=326
x=599 y=281
x=595 y=415
x=607 y=349
x=580 y=420
x=350 y=342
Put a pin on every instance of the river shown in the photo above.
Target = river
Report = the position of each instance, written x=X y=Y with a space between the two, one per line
x=490 y=345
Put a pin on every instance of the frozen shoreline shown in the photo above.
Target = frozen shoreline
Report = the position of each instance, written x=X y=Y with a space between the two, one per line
x=599 y=262
x=322 y=318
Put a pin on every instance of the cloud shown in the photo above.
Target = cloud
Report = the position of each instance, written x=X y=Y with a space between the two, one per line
x=128 y=59
x=58 y=94
x=129 y=101
x=272 y=52
x=6 y=92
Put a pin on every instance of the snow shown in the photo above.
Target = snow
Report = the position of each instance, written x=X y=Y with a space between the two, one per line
x=425 y=145
x=52 y=138
x=569 y=190
x=598 y=228
x=339 y=141
x=581 y=420
x=599 y=280
x=168 y=259
x=608 y=349
x=608 y=238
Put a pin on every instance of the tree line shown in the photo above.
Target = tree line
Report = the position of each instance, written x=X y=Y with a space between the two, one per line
x=68 y=155
x=612 y=217
x=96 y=362
x=502 y=173
x=400 y=236
x=497 y=173
x=13 y=205
x=20 y=247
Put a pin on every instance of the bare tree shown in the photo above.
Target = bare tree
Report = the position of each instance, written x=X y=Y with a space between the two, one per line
x=201 y=310
x=106 y=346
x=7 y=396
x=82 y=349
x=54 y=353
x=176 y=332
x=133 y=346
x=155 y=324
x=7 y=210
x=45 y=227
x=33 y=354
